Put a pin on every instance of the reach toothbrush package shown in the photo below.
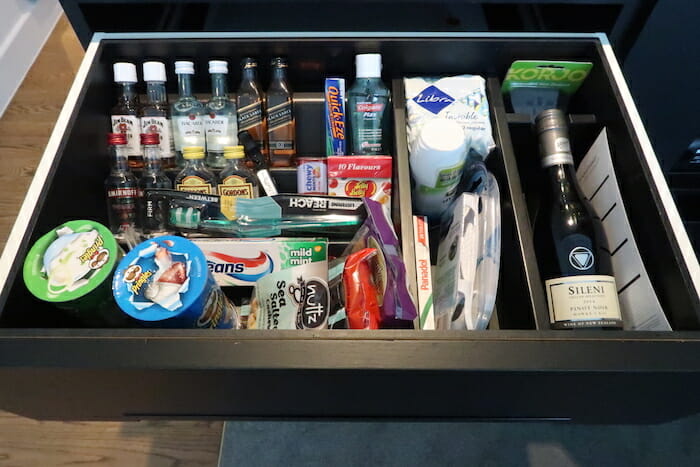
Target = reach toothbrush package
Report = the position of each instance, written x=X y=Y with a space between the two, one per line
x=270 y=216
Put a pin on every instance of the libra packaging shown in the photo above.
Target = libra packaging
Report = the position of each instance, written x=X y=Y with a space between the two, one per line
x=243 y=261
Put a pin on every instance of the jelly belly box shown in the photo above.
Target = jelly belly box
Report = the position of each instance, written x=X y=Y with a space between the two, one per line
x=361 y=177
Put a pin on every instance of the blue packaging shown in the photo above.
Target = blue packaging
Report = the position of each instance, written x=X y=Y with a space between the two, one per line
x=334 y=91
x=165 y=281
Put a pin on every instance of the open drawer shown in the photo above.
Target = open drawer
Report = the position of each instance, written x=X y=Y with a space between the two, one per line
x=53 y=369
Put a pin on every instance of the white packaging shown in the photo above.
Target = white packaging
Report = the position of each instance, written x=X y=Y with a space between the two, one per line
x=437 y=160
x=460 y=98
x=424 y=277
x=456 y=265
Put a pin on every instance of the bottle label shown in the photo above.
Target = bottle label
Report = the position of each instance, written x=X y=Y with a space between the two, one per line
x=221 y=131
x=129 y=125
x=189 y=131
x=575 y=254
x=279 y=115
x=195 y=184
x=236 y=186
x=250 y=116
x=583 y=301
x=369 y=134
x=160 y=125
x=122 y=206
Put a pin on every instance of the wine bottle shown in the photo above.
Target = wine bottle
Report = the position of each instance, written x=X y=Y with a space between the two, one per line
x=573 y=252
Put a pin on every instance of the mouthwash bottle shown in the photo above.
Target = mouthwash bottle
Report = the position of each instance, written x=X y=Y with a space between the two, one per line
x=368 y=106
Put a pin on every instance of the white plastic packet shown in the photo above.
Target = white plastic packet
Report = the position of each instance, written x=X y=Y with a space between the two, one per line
x=460 y=98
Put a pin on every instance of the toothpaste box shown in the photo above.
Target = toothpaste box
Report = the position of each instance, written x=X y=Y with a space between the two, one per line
x=236 y=262
x=335 y=116
x=423 y=274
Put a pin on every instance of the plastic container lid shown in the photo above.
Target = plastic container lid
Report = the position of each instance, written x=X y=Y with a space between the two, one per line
x=368 y=65
x=218 y=66
x=184 y=68
x=234 y=152
x=70 y=261
x=193 y=152
x=124 y=72
x=440 y=144
x=154 y=71
x=182 y=271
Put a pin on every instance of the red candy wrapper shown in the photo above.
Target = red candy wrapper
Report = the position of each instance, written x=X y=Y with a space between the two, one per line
x=361 y=303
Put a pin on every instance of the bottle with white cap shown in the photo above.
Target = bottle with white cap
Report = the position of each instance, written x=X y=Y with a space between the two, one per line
x=155 y=114
x=221 y=125
x=125 y=113
x=188 y=113
x=437 y=159
x=368 y=106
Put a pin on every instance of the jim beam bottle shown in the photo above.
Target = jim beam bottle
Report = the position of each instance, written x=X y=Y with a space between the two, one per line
x=155 y=114
x=572 y=248
x=124 y=115
x=280 y=117
x=250 y=103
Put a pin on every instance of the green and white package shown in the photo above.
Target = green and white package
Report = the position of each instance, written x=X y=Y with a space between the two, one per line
x=235 y=261
x=293 y=298
x=536 y=85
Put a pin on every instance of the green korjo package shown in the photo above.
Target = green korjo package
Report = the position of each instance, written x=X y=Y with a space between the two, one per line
x=566 y=77
x=535 y=85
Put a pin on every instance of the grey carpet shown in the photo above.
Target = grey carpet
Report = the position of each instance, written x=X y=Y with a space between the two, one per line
x=534 y=444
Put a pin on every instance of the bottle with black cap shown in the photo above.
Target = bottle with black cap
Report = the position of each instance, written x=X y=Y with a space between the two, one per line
x=572 y=249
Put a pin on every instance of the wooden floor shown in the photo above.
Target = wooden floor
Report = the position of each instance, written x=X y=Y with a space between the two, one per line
x=24 y=131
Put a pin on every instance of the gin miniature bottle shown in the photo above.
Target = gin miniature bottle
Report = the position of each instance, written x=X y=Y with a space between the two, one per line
x=195 y=177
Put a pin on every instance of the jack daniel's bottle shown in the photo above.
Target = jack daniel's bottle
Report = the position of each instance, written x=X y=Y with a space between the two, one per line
x=572 y=253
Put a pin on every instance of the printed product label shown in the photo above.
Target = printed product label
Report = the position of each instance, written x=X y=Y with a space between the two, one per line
x=279 y=115
x=122 y=205
x=189 y=131
x=579 y=301
x=335 y=116
x=160 y=125
x=243 y=262
x=221 y=131
x=195 y=184
x=129 y=125
x=71 y=265
x=312 y=177
x=237 y=187
x=250 y=116
x=433 y=99
x=361 y=176
x=295 y=298
x=370 y=133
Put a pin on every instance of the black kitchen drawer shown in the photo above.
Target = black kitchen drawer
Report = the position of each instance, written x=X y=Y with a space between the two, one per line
x=53 y=369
